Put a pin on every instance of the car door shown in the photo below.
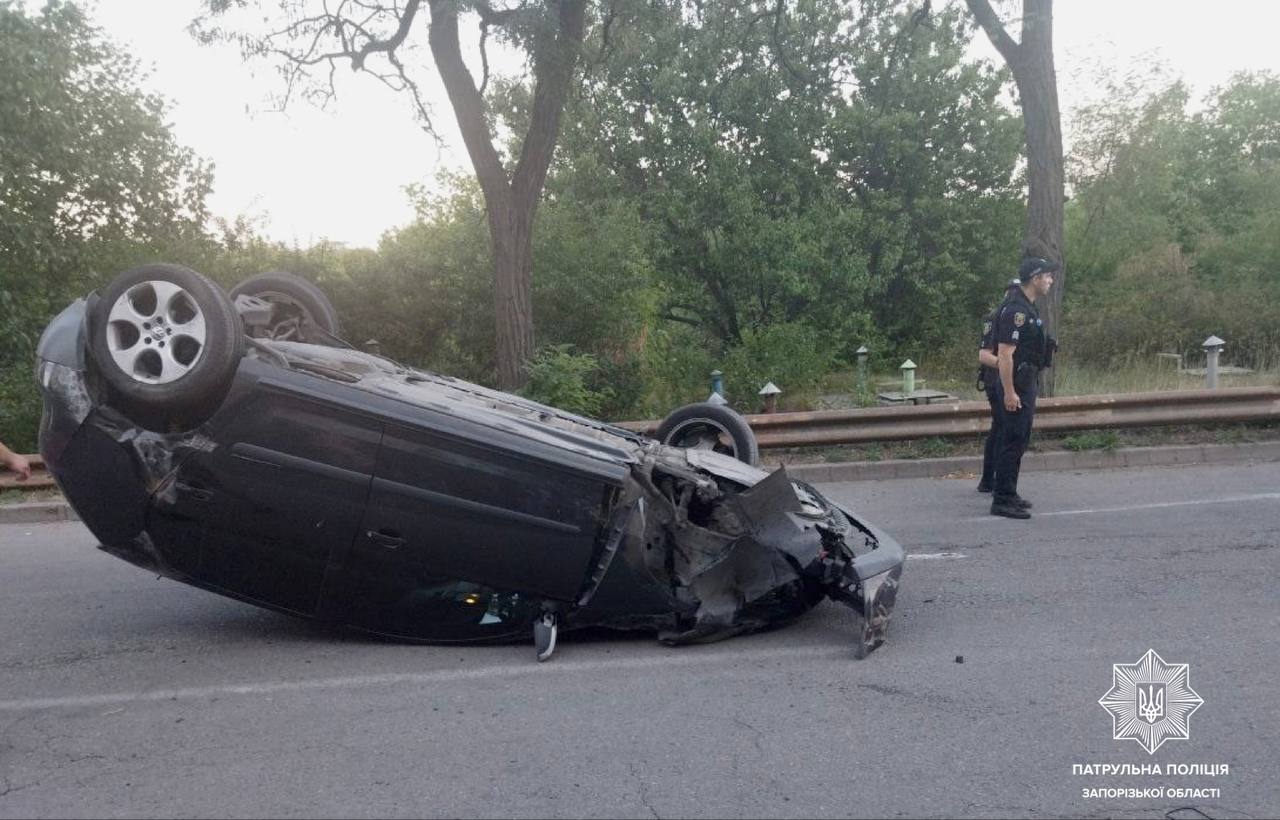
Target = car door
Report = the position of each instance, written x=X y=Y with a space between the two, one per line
x=469 y=526
x=283 y=491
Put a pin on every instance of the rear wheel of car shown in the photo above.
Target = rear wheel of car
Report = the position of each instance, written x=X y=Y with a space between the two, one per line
x=301 y=312
x=166 y=341
x=706 y=426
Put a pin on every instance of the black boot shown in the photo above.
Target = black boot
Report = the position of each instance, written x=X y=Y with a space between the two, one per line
x=1009 y=508
x=1022 y=502
x=984 y=487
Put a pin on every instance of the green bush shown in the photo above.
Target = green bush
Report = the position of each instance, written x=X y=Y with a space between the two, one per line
x=676 y=363
x=560 y=378
x=793 y=356
x=19 y=407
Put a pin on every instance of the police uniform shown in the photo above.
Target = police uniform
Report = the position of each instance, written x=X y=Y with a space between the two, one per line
x=1018 y=324
x=988 y=378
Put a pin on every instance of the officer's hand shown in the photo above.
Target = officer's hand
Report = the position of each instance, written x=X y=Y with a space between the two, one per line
x=1011 y=402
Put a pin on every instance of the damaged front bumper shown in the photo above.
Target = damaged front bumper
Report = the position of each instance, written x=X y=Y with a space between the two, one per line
x=716 y=548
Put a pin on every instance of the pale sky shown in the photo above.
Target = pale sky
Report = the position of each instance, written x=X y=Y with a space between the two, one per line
x=308 y=174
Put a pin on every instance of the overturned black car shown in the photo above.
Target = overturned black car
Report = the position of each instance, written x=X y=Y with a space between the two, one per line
x=235 y=443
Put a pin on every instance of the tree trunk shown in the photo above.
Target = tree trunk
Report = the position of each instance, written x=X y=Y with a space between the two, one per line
x=511 y=238
x=1031 y=62
x=511 y=203
x=1038 y=88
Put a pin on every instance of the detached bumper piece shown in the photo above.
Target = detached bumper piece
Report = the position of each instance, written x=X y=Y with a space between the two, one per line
x=873 y=597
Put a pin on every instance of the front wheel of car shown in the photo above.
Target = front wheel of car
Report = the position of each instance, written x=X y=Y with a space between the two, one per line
x=707 y=426
x=166 y=340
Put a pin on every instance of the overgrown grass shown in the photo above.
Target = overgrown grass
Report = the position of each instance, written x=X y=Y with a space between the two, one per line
x=15 y=495
x=1104 y=440
x=1135 y=374
x=1092 y=440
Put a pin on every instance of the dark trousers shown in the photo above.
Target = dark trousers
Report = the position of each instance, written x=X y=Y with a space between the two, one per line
x=1015 y=434
x=993 y=438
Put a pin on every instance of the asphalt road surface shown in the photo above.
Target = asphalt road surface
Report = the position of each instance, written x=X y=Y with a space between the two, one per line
x=124 y=695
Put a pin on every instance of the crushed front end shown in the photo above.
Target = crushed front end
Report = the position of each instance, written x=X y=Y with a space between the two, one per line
x=708 y=548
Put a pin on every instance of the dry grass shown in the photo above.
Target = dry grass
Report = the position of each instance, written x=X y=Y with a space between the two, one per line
x=1151 y=374
x=1135 y=375
x=21 y=496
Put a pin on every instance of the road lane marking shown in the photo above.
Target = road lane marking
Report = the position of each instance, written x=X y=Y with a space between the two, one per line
x=1235 y=499
x=513 y=670
x=941 y=556
x=1157 y=506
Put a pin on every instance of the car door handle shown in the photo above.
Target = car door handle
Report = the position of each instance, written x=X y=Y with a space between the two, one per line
x=384 y=538
x=193 y=492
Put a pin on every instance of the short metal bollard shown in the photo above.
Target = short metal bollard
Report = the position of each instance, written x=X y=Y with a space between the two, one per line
x=770 y=393
x=717 y=382
x=862 y=353
x=1212 y=347
x=908 y=369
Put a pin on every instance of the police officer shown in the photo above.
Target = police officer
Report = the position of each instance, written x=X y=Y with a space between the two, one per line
x=1022 y=350
x=988 y=377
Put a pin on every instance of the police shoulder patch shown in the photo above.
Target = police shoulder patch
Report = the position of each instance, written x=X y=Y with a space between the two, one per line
x=1019 y=319
x=986 y=327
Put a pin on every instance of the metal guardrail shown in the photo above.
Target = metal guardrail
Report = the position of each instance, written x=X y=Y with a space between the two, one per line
x=973 y=418
x=962 y=418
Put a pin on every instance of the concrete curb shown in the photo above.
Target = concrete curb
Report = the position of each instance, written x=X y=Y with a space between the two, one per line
x=43 y=512
x=37 y=512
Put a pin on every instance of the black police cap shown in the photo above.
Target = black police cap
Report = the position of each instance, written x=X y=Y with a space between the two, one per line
x=1034 y=265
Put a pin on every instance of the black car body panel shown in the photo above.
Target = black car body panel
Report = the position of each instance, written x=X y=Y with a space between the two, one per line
x=336 y=484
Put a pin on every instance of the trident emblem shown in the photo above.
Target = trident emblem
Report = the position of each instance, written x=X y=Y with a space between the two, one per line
x=1151 y=703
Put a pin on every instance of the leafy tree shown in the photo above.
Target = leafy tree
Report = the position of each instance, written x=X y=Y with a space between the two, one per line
x=375 y=36
x=91 y=180
x=1174 y=221
x=819 y=162
x=927 y=152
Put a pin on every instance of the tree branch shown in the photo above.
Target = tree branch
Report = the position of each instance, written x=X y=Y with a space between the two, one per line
x=699 y=318
x=501 y=17
x=778 y=50
x=468 y=105
x=553 y=69
x=393 y=42
x=986 y=17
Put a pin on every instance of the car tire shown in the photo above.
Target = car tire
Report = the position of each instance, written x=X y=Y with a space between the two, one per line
x=708 y=426
x=293 y=298
x=166 y=341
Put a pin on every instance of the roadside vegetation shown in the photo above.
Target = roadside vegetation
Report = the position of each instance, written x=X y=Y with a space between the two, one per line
x=709 y=207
